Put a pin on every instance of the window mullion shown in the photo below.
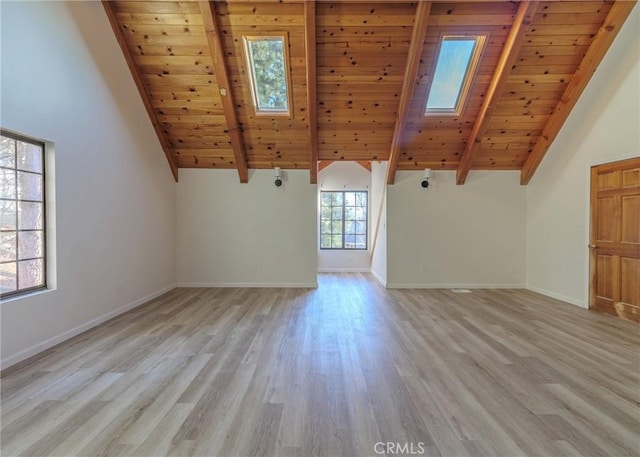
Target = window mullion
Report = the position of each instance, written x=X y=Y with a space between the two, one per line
x=17 y=218
x=344 y=203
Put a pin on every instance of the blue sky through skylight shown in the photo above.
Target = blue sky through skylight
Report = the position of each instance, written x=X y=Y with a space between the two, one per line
x=451 y=70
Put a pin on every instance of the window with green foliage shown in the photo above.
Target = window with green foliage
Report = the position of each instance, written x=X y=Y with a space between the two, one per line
x=457 y=62
x=267 y=64
x=22 y=215
x=343 y=220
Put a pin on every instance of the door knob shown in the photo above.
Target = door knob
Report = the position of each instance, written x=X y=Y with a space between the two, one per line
x=592 y=246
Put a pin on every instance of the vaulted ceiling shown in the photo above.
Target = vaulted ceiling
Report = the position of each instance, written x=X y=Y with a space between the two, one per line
x=360 y=74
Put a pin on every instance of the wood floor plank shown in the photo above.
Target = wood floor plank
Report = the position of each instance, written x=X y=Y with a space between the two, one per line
x=160 y=440
x=333 y=371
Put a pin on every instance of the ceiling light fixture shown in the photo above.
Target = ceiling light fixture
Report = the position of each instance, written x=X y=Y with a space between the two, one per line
x=426 y=178
x=278 y=181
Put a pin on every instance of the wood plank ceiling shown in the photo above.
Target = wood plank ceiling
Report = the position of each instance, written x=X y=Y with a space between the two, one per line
x=360 y=74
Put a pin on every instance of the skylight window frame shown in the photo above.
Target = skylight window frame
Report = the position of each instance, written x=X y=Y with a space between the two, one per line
x=246 y=40
x=470 y=75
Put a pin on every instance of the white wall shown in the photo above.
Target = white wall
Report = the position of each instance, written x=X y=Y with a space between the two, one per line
x=255 y=234
x=115 y=196
x=456 y=236
x=603 y=127
x=344 y=176
x=379 y=196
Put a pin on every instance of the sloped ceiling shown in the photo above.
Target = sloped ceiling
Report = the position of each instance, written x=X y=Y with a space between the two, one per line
x=360 y=74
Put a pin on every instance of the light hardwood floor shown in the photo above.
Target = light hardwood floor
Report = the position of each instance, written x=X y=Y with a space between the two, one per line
x=333 y=371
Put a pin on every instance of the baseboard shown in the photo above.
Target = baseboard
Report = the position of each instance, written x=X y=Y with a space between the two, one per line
x=49 y=343
x=454 y=286
x=344 y=270
x=564 y=298
x=250 y=285
x=379 y=278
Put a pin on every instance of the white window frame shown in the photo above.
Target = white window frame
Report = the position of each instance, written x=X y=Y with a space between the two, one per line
x=470 y=74
x=252 y=77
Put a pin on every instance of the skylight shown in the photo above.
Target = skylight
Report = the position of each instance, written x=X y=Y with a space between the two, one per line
x=456 y=65
x=267 y=63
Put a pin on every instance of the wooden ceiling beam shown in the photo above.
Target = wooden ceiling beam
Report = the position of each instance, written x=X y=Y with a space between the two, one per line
x=109 y=8
x=523 y=18
x=214 y=39
x=408 y=84
x=312 y=96
x=598 y=48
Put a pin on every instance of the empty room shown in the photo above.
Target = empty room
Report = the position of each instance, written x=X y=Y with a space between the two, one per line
x=320 y=228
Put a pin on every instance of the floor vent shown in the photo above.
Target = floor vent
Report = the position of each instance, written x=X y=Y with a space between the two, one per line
x=461 y=291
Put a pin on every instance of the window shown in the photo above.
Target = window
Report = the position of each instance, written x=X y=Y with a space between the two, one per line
x=267 y=63
x=343 y=220
x=22 y=215
x=457 y=62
